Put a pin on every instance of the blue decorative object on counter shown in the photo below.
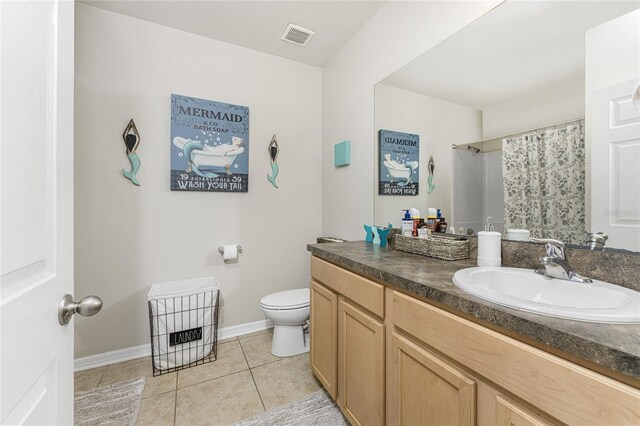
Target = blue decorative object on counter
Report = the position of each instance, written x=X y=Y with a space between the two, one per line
x=131 y=139
x=382 y=234
x=369 y=232
x=376 y=236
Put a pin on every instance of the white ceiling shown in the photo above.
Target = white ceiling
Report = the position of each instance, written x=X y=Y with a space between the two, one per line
x=514 y=50
x=257 y=25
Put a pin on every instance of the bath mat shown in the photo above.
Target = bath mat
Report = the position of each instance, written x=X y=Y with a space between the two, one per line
x=117 y=404
x=317 y=409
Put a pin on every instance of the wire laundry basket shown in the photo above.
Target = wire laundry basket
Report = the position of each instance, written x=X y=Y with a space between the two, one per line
x=183 y=323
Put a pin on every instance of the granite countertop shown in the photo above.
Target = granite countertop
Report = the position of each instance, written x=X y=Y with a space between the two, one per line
x=612 y=346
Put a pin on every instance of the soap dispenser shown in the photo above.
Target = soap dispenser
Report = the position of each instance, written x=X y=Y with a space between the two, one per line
x=489 y=246
x=407 y=224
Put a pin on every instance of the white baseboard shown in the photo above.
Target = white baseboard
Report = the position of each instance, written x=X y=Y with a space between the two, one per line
x=242 y=329
x=106 y=358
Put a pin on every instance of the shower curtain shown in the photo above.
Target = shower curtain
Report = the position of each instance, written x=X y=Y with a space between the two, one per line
x=544 y=182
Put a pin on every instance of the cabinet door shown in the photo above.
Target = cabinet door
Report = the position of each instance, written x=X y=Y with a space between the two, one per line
x=324 y=337
x=360 y=365
x=426 y=390
x=508 y=413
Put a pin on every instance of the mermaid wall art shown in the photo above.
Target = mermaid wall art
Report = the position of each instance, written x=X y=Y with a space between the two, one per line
x=398 y=163
x=209 y=145
x=131 y=139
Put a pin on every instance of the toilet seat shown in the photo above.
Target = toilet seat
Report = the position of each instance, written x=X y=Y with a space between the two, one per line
x=286 y=300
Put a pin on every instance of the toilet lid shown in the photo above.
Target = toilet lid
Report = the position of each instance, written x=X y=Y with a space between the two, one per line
x=290 y=299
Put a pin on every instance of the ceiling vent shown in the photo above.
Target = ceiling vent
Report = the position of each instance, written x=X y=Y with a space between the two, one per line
x=297 y=35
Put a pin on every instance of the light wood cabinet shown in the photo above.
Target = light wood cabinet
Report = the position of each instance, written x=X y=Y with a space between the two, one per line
x=360 y=365
x=348 y=341
x=366 y=293
x=508 y=413
x=389 y=358
x=324 y=337
x=423 y=389
x=563 y=390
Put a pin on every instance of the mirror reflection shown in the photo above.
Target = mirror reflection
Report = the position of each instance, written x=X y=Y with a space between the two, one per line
x=526 y=116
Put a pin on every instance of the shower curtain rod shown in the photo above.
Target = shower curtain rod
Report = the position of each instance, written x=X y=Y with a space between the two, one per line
x=499 y=138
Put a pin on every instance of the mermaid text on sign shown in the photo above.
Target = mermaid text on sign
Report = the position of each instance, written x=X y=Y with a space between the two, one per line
x=398 y=163
x=209 y=145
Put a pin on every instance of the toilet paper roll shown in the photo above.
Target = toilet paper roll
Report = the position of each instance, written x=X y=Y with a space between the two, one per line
x=230 y=252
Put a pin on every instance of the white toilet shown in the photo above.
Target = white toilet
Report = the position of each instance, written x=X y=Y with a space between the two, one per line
x=289 y=311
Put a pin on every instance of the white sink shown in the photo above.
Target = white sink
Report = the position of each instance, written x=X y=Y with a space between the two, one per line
x=523 y=289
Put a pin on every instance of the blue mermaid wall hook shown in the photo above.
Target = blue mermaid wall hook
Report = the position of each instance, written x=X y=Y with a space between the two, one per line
x=273 y=156
x=131 y=139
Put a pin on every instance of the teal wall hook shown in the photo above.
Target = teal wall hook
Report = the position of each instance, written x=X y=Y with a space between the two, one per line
x=273 y=156
x=131 y=139
x=431 y=166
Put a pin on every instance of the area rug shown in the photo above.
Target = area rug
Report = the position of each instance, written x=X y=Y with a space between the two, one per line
x=317 y=409
x=117 y=404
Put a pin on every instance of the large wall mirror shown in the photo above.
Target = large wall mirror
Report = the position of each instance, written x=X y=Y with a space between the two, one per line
x=528 y=116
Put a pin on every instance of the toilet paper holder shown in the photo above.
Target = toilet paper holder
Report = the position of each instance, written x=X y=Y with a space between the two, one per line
x=221 y=249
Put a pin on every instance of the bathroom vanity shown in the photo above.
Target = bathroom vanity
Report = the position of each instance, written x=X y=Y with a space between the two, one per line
x=394 y=341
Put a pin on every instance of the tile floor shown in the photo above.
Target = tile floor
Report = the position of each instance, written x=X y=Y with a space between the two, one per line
x=244 y=381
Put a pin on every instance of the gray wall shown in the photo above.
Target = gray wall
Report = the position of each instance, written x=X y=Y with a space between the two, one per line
x=439 y=124
x=398 y=33
x=128 y=237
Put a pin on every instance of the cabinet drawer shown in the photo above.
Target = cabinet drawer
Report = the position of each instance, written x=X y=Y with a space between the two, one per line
x=566 y=391
x=366 y=293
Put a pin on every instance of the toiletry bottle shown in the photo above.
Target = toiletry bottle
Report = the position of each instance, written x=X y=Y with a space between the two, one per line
x=416 y=225
x=415 y=216
x=432 y=219
x=422 y=229
x=442 y=225
x=407 y=224
x=489 y=246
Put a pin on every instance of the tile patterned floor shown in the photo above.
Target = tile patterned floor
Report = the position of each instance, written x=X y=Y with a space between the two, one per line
x=244 y=381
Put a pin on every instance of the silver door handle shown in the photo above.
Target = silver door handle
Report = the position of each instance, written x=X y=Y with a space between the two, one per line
x=88 y=306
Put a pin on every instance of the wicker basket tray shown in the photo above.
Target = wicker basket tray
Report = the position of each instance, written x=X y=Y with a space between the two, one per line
x=438 y=246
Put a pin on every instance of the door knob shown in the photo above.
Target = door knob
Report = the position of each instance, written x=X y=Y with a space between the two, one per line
x=88 y=306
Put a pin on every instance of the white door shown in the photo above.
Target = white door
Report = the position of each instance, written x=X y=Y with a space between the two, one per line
x=36 y=207
x=615 y=166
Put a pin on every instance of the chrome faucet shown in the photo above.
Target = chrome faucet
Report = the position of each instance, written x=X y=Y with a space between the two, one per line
x=555 y=264
x=596 y=240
